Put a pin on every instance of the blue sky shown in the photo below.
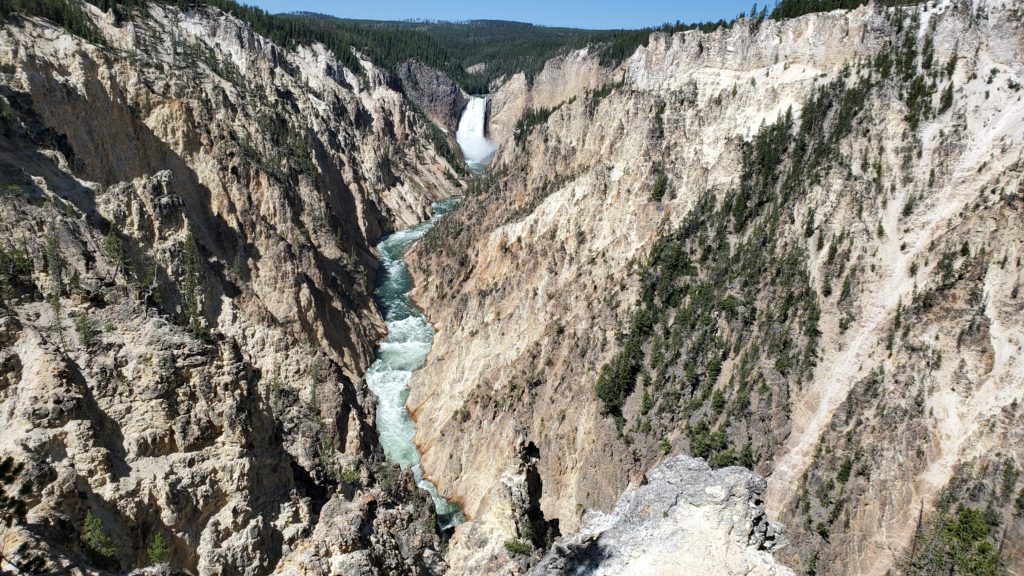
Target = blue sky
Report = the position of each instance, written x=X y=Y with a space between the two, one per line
x=576 y=13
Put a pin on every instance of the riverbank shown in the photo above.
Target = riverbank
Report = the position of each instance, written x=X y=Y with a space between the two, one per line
x=401 y=352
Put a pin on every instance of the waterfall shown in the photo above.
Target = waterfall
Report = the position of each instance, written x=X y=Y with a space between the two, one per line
x=472 y=134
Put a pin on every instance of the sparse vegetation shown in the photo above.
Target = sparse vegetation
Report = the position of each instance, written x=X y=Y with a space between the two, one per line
x=946 y=100
x=958 y=543
x=55 y=267
x=794 y=8
x=698 y=279
x=114 y=249
x=13 y=507
x=666 y=446
x=87 y=330
x=349 y=475
x=531 y=119
x=12 y=496
x=98 y=546
x=192 y=294
x=158 y=551
x=65 y=13
x=518 y=547
x=660 y=184
x=15 y=265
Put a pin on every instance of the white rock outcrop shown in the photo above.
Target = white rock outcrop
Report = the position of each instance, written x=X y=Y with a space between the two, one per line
x=685 y=518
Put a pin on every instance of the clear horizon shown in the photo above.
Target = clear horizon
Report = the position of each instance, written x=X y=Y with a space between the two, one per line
x=597 y=14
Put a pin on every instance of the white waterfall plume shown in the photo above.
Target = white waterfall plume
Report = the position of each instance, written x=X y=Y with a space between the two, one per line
x=472 y=133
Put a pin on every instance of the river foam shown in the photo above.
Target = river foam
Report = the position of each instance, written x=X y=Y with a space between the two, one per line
x=400 y=353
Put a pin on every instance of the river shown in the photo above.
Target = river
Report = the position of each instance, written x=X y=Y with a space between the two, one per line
x=400 y=353
x=410 y=335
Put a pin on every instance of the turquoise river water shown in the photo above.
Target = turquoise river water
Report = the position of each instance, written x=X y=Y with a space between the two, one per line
x=404 y=350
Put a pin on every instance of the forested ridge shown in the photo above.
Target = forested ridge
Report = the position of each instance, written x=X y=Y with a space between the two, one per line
x=794 y=8
x=286 y=32
x=502 y=47
x=492 y=49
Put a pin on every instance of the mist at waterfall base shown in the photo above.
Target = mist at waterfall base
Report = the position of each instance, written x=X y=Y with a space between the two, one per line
x=472 y=134
x=404 y=350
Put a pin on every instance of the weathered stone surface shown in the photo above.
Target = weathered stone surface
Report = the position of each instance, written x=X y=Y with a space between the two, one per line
x=561 y=79
x=685 y=519
x=532 y=290
x=434 y=92
x=198 y=207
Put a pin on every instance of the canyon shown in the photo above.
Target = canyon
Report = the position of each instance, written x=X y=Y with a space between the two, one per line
x=887 y=382
x=744 y=301
x=183 y=352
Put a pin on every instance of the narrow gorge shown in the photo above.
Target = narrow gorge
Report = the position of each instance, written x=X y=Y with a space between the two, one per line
x=400 y=353
x=305 y=295
x=410 y=334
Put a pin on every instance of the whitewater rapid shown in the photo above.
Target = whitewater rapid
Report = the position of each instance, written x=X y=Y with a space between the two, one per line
x=400 y=353
x=472 y=134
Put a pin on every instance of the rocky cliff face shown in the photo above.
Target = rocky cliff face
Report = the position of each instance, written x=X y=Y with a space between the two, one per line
x=440 y=99
x=795 y=247
x=187 y=216
x=561 y=79
x=684 y=519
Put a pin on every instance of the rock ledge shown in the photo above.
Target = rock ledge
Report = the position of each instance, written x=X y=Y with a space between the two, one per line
x=686 y=519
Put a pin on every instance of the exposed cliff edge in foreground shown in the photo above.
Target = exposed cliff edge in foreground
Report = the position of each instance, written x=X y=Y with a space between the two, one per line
x=793 y=246
x=684 y=519
x=790 y=246
x=188 y=212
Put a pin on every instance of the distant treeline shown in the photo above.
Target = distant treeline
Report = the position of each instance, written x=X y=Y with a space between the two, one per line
x=65 y=13
x=794 y=8
x=502 y=48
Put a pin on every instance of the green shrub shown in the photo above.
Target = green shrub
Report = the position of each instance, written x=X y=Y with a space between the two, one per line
x=844 y=470
x=723 y=459
x=966 y=538
x=158 y=550
x=518 y=547
x=99 y=548
x=193 y=294
x=12 y=505
x=646 y=403
x=946 y=101
x=350 y=475
x=660 y=185
x=717 y=402
x=87 y=331
x=14 y=265
x=747 y=458
x=9 y=189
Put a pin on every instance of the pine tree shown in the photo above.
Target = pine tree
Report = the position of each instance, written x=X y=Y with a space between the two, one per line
x=192 y=294
x=98 y=545
x=158 y=550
